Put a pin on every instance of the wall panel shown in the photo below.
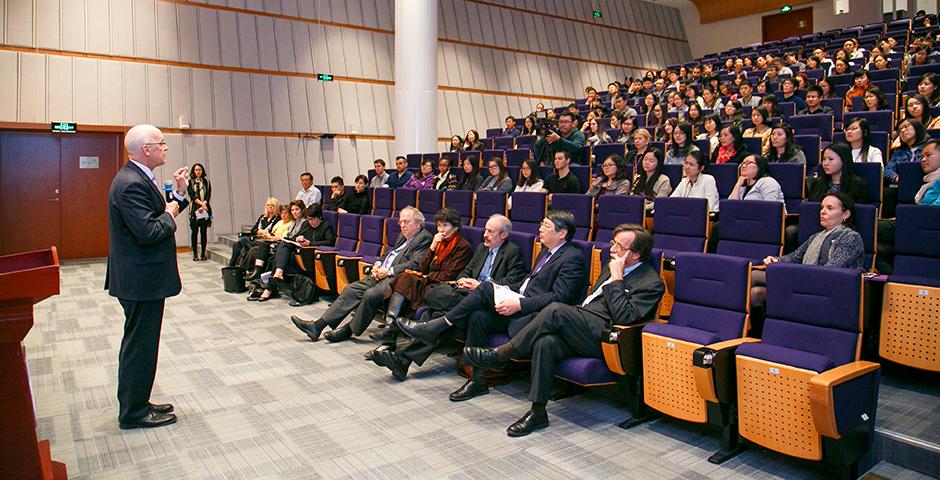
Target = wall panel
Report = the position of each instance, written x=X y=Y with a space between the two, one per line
x=247 y=41
x=167 y=33
x=48 y=34
x=209 y=47
x=145 y=34
x=19 y=23
x=158 y=96
x=110 y=91
x=60 y=97
x=8 y=84
x=86 y=101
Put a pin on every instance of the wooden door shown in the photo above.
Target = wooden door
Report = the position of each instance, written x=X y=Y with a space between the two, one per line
x=784 y=25
x=88 y=163
x=29 y=192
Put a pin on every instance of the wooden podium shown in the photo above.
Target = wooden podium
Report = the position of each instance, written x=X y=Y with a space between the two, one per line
x=25 y=279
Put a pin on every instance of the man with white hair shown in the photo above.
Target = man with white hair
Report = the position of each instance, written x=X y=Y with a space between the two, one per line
x=142 y=270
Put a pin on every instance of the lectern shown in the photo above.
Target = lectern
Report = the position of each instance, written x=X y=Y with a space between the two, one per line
x=25 y=279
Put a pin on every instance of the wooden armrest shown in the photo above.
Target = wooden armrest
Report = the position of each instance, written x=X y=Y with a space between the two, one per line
x=713 y=368
x=759 y=267
x=844 y=373
x=821 y=402
x=735 y=342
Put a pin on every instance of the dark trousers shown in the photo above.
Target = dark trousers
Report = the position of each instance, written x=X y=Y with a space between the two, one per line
x=283 y=252
x=240 y=245
x=556 y=333
x=137 y=361
x=200 y=227
x=365 y=297
x=440 y=299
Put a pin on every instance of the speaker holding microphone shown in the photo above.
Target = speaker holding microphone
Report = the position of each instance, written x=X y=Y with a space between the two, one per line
x=168 y=190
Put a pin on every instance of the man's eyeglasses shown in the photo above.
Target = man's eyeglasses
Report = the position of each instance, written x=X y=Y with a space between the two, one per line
x=162 y=144
x=619 y=246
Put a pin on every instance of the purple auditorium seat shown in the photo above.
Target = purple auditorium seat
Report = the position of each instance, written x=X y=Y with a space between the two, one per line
x=489 y=154
x=462 y=201
x=810 y=343
x=920 y=70
x=836 y=105
x=486 y=204
x=429 y=202
x=787 y=109
x=392 y=231
x=493 y=132
x=752 y=144
x=515 y=157
x=383 y=201
x=844 y=79
x=471 y=155
x=866 y=219
x=367 y=251
x=525 y=141
x=528 y=210
x=792 y=180
x=674 y=172
x=878 y=121
x=331 y=217
x=750 y=229
x=348 y=189
x=526 y=243
x=324 y=192
x=582 y=206
x=889 y=87
x=514 y=173
x=726 y=174
x=812 y=146
x=613 y=210
x=816 y=74
x=821 y=125
x=414 y=161
x=474 y=235
x=681 y=225
x=404 y=197
x=613 y=133
x=453 y=157
x=603 y=150
x=347 y=239
x=503 y=143
x=584 y=176
x=433 y=157
x=879 y=140
x=872 y=173
x=917 y=244
x=910 y=179
x=487 y=143
x=703 y=145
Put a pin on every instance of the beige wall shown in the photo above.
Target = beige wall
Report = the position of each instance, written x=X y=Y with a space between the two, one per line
x=720 y=36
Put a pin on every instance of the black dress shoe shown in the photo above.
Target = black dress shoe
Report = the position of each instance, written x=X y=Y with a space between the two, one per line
x=469 y=390
x=271 y=297
x=151 y=420
x=310 y=328
x=392 y=361
x=424 y=331
x=340 y=334
x=162 y=407
x=387 y=335
x=483 y=358
x=203 y=257
x=529 y=423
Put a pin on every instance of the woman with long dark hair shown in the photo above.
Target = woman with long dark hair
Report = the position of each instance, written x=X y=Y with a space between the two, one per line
x=200 y=216
x=858 y=136
x=731 y=148
x=650 y=181
x=783 y=146
x=681 y=144
x=613 y=179
x=471 y=179
x=837 y=174
x=911 y=139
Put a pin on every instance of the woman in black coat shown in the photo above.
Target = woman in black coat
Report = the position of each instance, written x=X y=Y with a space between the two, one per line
x=200 y=216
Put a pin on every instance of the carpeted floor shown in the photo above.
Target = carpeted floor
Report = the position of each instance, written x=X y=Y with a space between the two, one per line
x=257 y=399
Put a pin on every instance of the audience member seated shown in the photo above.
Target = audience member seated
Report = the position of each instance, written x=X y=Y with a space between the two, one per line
x=826 y=87
x=456 y=144
x=858 y=136
x=559 y=276
x=760 y=118
x=620 y=107
x=264 y=223
x=511 y=129
x=754 y=181
x=731 y=148
x=681 y=144
x=929 y=193
x=814 y=104
x=367 y=295
x=563 y=180
x=628 y=291
x=695 y=183
x=308 y=194
x=401 y=175
x=627 y=131
x=499 y=180
x=711 y=101
x=875 y=99
x=772 y=105
x=911 y=139
x=712 y=127
x=381 y=176
x=733 y=112
x=338 y=197
x=649 y=181
x=783 y=146
x=309 y=230
x=788 y=90
x=567 y=139
x=838 y=175
x=496 y=260
x=694 y=117
x=281 y=228
x=613 y=179
x=447 y=255
x=745 y=96
x=359 y=200
x=446 y=178
x=529 y=178
x=471 y=179
x=929 y=88
x=528 y=126
x=424 y=179
x=472 y=141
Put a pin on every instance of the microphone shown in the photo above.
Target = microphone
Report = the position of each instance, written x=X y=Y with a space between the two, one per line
x=168 y=190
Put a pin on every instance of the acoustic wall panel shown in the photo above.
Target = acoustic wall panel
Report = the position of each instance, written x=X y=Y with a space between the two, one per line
x=207 y=96
x=299 y=110
x=110 y=92
x=86 y=100
x=48 y=32
x=284 y=38
x=248 y=41
x=366 y=101
x=217 y=169
x=350 y=49
x=181 y=94
x=188 y=33
x=19 y=23
x=259 y=179
x=145 y=34
x=158 y=95
x=303 y=51
x=261 y=102
x=228 y=39
x=8 y=85
x=239 y=174
x=60 y=98
x=383 y=109
x=168 y=47
x=209 y=47
x=223 y=108
x=241 y=83
x=98 y=26
x=277 y=166
x=280 y=103
x=384 y=55
x=316 y=105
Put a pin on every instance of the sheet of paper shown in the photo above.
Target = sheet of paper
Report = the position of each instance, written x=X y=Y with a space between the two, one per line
x=202 y=214
x=502 y=292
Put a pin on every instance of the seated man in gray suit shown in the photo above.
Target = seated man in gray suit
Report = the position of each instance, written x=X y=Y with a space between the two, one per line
x=496 y=259
x=367 y=295
x=559 y=276
x=628 y=291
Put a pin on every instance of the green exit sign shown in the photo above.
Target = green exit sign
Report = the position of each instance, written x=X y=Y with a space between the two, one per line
x=324 y=77
x=597 y=14
x=785 y=8
x=64 y=127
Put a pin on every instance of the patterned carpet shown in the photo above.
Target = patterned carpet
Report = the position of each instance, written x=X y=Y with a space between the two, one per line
x=256 y=399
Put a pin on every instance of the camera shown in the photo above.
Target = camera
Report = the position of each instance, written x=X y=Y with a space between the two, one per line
x=544 y=125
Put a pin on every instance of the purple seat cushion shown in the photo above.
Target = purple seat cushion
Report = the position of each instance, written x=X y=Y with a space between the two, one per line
x=585 y=371
x=786 y=356
x=496 y=340
x=678 y=332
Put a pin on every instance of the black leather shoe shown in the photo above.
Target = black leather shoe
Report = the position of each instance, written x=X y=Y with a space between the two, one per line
x=483 y=358
x=387 y=335
x=391 y=360
x=529 y=423
x=340 y=334
x=424 y=331
x=151 y=420
x=310 y=328
x=271 y=297
x=469 y=390
x=162 y=407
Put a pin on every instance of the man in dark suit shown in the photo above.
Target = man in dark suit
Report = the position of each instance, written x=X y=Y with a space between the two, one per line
x=559 y=276
x=628 y=291
x=496 y=259
x=142 y=270
x=367 y=295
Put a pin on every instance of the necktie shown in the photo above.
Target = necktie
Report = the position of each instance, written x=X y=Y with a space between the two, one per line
x=541 y=263
x=487 y=266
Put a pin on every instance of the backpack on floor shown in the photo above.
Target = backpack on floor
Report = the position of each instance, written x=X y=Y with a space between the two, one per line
x=303 y=290
x=233 y=279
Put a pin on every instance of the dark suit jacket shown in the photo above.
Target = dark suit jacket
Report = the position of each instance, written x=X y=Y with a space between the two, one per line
x=631 y=300
x=507 y=267
x=142 y=251
x=561 y=279
x=409 y=258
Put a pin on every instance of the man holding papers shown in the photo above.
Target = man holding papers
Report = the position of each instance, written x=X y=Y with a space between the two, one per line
x=558 y=276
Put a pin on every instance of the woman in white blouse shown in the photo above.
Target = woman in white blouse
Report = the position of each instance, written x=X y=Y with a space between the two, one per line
x=695 y=183
x=858 y=136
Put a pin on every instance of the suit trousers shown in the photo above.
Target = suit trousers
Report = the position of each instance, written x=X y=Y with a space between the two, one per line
x=137 y=360
x=283 y=252
x=557 y=332
x=365 y=297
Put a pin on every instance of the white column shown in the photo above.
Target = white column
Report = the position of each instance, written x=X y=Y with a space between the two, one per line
x=415 y=119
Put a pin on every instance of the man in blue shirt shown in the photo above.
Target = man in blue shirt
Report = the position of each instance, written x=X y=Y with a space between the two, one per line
x=401 y=175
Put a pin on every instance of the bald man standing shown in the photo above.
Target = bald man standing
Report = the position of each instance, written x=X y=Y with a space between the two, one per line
x=142 y=270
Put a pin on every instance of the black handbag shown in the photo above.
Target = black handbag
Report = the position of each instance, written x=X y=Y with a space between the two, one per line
x=233 y=279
